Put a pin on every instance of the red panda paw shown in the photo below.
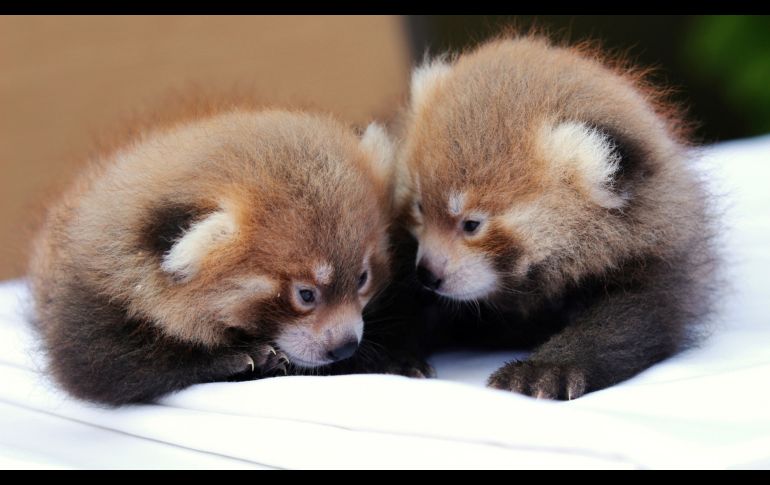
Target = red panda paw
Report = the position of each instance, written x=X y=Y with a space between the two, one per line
x=540 y=380
x=409 y=367
x=270 y=361
x=240 y=366
x=381 y=363
x=263 y=361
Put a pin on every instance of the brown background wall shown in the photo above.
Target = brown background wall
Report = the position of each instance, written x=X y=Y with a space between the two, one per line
x=64 y=80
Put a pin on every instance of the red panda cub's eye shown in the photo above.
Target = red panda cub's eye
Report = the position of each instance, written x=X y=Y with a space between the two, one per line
x=362 y=279
x=470 y=226
x=307 y=296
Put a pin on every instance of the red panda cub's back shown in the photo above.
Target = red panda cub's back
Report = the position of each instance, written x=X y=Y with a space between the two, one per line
x=553 y=189
x=242 y=241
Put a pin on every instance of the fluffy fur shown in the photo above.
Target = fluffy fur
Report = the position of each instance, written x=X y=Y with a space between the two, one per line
x=186 y=254
x=549 y=190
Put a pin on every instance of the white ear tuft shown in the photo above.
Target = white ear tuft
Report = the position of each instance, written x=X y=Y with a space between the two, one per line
x=425 y=78
x=376 y=142
x=184 y=258
x=576 y=148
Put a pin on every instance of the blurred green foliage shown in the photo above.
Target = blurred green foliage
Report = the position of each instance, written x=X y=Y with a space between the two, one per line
x=719 y=66
x=733 y=53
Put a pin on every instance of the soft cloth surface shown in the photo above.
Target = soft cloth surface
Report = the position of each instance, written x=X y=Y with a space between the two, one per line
x=708 y=407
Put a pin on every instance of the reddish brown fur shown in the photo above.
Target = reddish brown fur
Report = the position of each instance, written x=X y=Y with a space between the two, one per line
x=301 y=190
x=501 y=164
x=477 y=129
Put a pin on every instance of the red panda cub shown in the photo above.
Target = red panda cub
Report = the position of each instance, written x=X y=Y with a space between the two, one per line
x=551 y=191
x=244 y=241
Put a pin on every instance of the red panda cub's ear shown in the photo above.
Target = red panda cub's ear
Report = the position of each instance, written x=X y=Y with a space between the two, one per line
x=376 y=143
x=184 y=258
x=579 y=152
x=425 y=79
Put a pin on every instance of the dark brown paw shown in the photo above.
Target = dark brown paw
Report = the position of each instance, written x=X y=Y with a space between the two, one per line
x=542 y=381
x=240 y=366
x=409 y=367
x=269 y=361
x=400 y=365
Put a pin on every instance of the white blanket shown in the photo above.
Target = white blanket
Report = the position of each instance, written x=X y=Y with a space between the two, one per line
x=706 y=408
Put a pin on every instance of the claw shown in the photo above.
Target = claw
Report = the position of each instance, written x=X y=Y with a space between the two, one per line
x=250 y=363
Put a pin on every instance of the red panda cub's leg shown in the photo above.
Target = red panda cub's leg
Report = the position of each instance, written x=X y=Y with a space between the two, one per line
x=625 y=330
x=103 y=355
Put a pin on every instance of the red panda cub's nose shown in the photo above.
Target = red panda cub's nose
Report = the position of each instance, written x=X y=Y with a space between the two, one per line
x=428 y=278
x=343 y=351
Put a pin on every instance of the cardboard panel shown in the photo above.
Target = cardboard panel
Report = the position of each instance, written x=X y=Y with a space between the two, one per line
x=64 y=80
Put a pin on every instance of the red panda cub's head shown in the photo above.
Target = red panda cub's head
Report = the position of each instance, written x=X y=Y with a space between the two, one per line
x=269 y=225
x=525 y=164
